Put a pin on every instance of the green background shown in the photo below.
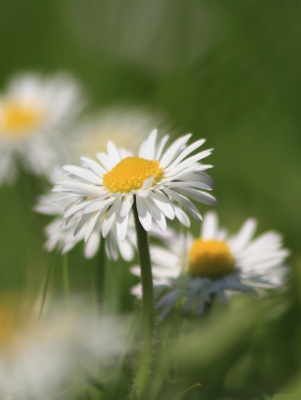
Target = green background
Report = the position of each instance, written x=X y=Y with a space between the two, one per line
x=229 y=71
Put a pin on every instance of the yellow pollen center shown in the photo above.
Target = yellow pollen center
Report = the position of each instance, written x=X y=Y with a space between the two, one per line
x=18 y=119
x=130 y=174
x=211 y=258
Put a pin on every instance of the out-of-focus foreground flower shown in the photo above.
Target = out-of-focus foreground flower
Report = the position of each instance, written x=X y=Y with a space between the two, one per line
x=195 y=271
x=38 y=359
x=34 y=111
x=157 y=179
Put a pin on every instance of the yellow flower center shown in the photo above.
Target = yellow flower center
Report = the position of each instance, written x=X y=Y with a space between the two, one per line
x=130 y=174
x=18 y=120
x=211 y=258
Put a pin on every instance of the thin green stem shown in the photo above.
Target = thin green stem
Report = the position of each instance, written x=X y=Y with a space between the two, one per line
x=66 y=277
x=50 y=270
x=143 y=372
x=100 y=280
x=146 y=276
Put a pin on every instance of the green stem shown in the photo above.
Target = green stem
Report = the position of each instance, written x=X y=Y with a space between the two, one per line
x=147 y=306
x=101 y=272
x=66 y=277
x=50 y=269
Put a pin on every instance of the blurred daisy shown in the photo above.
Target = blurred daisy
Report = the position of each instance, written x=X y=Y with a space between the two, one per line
x=156 y=179
x=37 y=360
x=125 y=127
x=33 y=112
x=194 y=271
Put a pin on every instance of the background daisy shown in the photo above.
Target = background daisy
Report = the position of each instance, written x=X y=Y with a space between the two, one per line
x=197 y=270
x=126 y=127
x=34 y=112
x=39 y=358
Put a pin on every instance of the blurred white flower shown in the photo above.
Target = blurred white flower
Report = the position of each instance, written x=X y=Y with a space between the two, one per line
x=34 y=110
x=126 y=127
x=197 y=270
x=37 y=359
x=156 y=35
x=156 y=179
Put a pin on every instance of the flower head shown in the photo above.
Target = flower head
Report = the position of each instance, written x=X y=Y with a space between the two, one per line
x=160 y=181
x=194 y=271
x=38 y=358
x=33 y=112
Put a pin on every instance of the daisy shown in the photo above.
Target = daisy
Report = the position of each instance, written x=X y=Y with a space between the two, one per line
x=37 y=359
x=160 y=181
x=196 y=270
x=126 y=127
x=33 y=112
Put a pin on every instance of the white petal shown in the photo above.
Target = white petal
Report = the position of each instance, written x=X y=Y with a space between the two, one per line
x=161 y=147
x=186 y=203
x=182 y=217
x=111 y=247
x=113 y=153
x=98 y=205
x=137 y=291
x=91 y=225
x=122 y=226
x=80 y=224
x=186 y=163
x=193 y=184
x=148 y=183
x=161 y=222
x=144 y=215
x=173 y=151
x=209 y=226
x=93 y=165
x=83 y=173
x=75 y=208
x=126 y=250
x=193 y=168
x=187 y=151
x=156 y=214
x=126 y=205
x=111 y=217
x=92 y=245
x=136 y=270
x=163 y=203
x=150 y=147
x=143 y=193
x=197 y=195
x=143 y=149
x=105 y=161
x=244 y=236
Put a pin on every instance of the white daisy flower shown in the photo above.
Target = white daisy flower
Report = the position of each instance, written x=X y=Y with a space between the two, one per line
x=33 y=112
x=125 y=127
x=37 y=358
x=157 y=179
x=196 y=270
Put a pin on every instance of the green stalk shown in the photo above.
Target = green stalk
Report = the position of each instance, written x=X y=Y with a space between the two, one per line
x=143 y=372
x=50 y=269
x=66 y=277
x=100 y=286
